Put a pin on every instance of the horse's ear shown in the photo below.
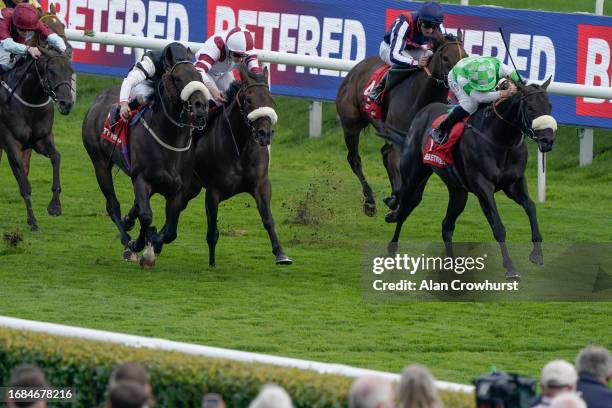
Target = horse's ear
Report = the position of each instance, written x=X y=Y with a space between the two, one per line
x=460 y=35
x=244 y=74
x=545 y=84
x=190 y=54
x=52 y=8
x=266 y=74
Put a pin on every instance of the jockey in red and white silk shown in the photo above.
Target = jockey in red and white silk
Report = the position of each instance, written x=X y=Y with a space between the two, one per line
x=220 y=54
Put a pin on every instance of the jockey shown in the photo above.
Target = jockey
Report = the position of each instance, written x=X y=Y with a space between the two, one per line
x=140 y=82
x=407 y=43
x=218 y=57
x=17 y=26
x=473 y=81
x=13 y=3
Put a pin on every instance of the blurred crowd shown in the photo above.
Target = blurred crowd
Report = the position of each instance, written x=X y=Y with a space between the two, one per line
x=562 y=384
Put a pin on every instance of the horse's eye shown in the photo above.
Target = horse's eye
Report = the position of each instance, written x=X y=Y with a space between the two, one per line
x=248 y=100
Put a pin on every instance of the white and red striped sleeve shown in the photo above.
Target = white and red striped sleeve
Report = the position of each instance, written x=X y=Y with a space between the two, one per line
x=208 y=54
x=252 y=63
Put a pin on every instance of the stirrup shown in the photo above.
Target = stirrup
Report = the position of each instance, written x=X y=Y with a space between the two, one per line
x=438 y=136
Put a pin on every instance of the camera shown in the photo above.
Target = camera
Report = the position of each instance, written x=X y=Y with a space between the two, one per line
x=504 y=390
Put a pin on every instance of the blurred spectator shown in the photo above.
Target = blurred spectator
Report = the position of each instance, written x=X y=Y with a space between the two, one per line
x=133 y=372
x=594 y=366
x=417 y=390
x=568 y=400
x=557 y=377
x=272 y=396
x=23 y=376
x=127 y=394
x=213 y=401
x=371 y=392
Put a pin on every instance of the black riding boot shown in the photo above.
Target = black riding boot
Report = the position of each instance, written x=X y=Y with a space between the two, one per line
x=376 y=92
x=440 y=133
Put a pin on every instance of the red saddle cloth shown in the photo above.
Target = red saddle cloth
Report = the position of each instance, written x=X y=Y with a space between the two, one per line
x=118 y=135
x=442 y=155
x=372 y=109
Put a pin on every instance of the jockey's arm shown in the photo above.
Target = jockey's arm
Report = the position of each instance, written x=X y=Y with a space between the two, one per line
x=57 y=42
x=13 y=46
x=485 y=97
x=397 y=41
x=252 y=63
x=507 y=71
x=141 y=71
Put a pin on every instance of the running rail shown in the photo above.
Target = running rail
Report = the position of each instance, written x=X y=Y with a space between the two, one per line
x=123 y=40
x=212 y=352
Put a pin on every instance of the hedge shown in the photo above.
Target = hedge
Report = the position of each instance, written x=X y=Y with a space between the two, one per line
x=178 y=380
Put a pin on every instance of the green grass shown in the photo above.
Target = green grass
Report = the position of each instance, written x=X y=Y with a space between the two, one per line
x=70 y=272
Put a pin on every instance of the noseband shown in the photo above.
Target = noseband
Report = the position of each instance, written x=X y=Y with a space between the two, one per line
x=186 y=109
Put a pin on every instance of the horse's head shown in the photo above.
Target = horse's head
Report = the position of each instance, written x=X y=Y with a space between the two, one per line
x=183 y=82
x=255 y=101
x=448 y=50
x=55 y=74
x=535 y=109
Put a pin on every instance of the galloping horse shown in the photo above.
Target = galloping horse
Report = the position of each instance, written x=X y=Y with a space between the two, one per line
x=232 y=156
x=400 y=105
x=490 y=156
x=26 y=117
x=160 y=146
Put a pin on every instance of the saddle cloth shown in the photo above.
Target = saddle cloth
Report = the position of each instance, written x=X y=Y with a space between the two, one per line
x=442 y=155
x=372 y=109
x=118 y=133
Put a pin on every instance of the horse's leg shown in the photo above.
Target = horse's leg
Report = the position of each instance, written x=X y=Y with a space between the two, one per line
x=489 y=208
x=113 y=208
x=351 y=139
x=457 y=198
x=129 y=220
x=142 y=194
x=46 y=147
x=518 y=192
x=26 y=155
x=212 y=232
x=391 y=160
x=14 y=156
x=174 y=207
x=263 y=194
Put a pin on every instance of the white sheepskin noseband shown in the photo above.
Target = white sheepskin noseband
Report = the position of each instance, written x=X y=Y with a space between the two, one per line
x=192 y=87
x=263 y=112
x=544 y=122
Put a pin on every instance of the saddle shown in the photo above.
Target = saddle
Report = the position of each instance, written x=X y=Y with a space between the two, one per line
x=117 y=133
x=441 y=155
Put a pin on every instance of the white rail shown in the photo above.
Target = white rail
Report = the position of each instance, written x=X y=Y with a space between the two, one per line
x=214 y=352
x=559 y=88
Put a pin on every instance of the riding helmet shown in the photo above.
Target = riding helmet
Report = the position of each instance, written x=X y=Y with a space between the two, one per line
x=431 y=12
x=25 y=17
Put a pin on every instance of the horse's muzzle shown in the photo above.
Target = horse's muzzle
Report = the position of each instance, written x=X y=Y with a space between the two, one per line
x=264 y=137
x=64 y=106
x=545 y=139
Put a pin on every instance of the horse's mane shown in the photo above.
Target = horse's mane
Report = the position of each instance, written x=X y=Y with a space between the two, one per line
x=236 y=85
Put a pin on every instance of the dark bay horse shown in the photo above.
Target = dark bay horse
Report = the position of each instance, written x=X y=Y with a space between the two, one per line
x=400 y=106
x=28 y=94
x=232 y=156
x=160 y=146
x=490 y=156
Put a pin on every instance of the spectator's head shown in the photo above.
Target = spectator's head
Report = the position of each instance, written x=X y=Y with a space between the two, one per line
x=371 y=392
x=595 y=361
x=272 y=396
x=213 y=401
x=568 y=400
x=558 y=376
x=132 y=372
x=127 y=394
x=26 y=375
x=417 y=390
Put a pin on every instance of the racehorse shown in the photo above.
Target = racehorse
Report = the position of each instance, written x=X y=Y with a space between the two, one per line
x=491 y=155
x=400 y=105
x=26 y=117
x=51 y=20
x=160 y=149
x=232 y=156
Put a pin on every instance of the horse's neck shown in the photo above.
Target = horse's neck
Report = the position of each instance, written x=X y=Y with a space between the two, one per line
x=234 y=122
x=431 y=91
x=506 y=131
x=164 y=124
x=26 y=83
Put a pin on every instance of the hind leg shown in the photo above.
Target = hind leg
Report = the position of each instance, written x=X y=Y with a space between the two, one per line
x=457 y=199
x=391 y=160
x=46 y=147
x=352 y=130
x=212 y=233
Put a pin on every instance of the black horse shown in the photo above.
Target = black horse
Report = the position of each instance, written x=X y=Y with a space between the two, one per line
x=232 y=156
x=490 y=156
x=400 y=106
x=28 y=94
x=160 y=146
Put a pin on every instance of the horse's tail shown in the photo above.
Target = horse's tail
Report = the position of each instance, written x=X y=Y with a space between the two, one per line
x=390 y=133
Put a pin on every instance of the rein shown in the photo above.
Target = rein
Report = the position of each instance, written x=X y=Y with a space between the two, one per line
x=444 y=80
x=524 y=127
x=186 y=105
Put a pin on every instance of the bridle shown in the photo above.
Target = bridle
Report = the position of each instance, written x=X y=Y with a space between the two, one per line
x=242 y=91
x=524 y=127
x=44 y=78
x=444 y=80
x=186 y=108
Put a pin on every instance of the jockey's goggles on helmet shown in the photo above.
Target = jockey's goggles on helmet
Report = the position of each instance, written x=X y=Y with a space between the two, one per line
x=237 y=54
x=429 y=24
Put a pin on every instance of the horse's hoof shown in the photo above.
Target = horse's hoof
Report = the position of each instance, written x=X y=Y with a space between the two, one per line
x=536 y=257
x=128 y=223
x=54 y=209
x=33 y=226
x=392 y=248
x=391 y=202
x=369 y=209
x=391 y=217
x=130 y=256
x=512 y=274
x=283 y=259
x=147 y=260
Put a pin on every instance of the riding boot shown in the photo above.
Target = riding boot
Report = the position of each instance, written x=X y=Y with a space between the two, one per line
x=440 y=133
x=377 y=91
